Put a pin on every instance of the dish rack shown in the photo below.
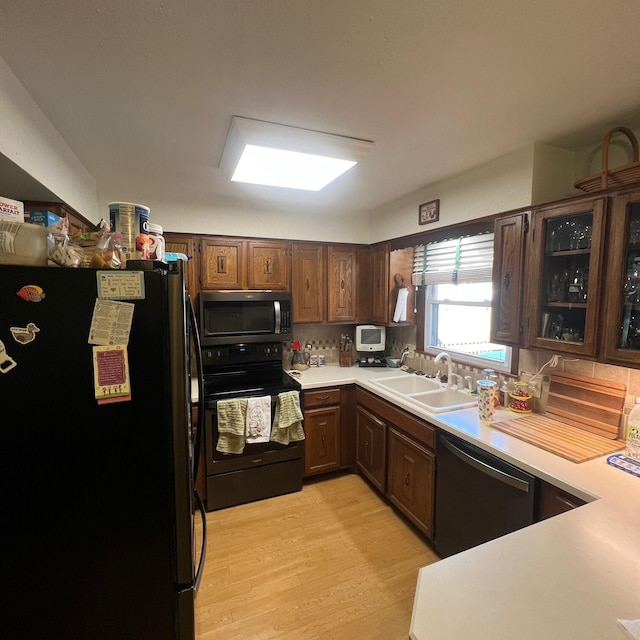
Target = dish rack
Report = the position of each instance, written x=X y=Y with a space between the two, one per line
x=619 y=176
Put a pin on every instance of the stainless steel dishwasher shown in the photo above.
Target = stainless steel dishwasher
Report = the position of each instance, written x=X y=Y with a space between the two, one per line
x=479 y=497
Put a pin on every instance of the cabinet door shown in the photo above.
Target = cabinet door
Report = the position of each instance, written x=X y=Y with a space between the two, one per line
x=411 y=480
x=322 y=443
x=380 y=293
x=565 y=277
x=341 y=284
x=371 y=447
x=268 y=266
x=307 y=283
x=622 y=302
x=222 y=264
x=508 y=264
x=180 y=243
x=553 y=501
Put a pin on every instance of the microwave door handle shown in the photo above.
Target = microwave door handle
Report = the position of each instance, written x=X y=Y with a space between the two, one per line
x=276 y=306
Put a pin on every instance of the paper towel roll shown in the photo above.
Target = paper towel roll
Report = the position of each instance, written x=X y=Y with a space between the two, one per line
x=400 y=314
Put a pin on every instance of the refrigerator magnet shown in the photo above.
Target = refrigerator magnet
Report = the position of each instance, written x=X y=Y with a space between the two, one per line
x=31 y=293
x=6 y=361
x=120 y=285
x=24 y=335
x=111 y=374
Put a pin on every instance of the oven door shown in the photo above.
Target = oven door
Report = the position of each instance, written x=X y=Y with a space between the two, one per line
x=252 y=455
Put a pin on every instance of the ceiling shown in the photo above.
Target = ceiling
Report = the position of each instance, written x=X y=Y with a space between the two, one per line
x=143 y=92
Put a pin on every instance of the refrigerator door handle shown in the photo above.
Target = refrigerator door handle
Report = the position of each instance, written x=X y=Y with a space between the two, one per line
x=203 y=547
x=198 y=351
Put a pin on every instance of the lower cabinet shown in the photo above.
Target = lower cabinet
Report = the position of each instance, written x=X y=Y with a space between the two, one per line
x=553 y=501
x=322 y=431
x=396 y=453
x=371 y=447
x=411 y=480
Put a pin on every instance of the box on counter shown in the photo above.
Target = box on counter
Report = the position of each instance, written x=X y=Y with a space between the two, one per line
x=44 y=218
x=11 y=210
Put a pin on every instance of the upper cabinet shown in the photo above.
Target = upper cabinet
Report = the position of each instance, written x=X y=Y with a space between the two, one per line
x=621 y=311
x=186 y=244
x=508 y=271
x=392 y=295
x=341 y=283
x=308 y=282
x=565 y=277
x=77 y=222
x=234 y=263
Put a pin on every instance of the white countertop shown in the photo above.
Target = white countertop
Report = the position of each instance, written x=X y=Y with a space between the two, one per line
x=570 y=576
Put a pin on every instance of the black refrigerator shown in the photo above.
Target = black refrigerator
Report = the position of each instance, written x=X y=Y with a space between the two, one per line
x=98 y=533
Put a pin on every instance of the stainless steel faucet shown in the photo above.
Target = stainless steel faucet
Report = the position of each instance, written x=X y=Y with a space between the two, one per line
x=443 y=355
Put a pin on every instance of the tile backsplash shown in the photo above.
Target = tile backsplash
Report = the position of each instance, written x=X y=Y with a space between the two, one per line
x=325 y=339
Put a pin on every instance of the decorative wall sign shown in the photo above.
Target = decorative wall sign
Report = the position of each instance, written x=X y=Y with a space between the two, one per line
x=429 y=212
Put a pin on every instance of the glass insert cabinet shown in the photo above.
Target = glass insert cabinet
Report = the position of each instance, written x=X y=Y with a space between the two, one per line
x=565 y=278
x=622 y=295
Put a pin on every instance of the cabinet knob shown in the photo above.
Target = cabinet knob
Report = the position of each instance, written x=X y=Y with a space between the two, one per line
x=507 y=279
x=308 y=284
x=407 y=479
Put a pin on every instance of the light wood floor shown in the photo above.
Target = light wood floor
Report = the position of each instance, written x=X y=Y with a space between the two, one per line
x=332 y=561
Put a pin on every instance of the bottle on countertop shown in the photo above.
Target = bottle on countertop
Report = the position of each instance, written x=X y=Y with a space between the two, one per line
x=632 y=449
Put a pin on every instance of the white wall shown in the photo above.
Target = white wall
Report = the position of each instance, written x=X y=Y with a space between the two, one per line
x=193 y=217
x=500 y=185
x=30 y=141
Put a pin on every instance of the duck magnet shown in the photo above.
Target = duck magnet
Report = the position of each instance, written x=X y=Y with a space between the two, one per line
x=24 y=335
x=31 y=293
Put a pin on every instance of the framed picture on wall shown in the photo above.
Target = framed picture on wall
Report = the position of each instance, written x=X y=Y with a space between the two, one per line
x=429 y=212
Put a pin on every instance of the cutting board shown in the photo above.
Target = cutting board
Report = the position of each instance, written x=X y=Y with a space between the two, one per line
x=582 y=420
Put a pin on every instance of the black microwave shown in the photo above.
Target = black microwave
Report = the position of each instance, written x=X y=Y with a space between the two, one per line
x=244 y=316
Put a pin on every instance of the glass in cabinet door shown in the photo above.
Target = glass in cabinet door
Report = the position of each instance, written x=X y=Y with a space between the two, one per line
x=565 y=278
x=629 y=327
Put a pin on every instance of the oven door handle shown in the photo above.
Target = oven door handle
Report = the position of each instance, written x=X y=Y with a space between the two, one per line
x=485 y=468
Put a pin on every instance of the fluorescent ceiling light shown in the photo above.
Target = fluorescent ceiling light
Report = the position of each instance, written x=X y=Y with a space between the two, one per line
x=278 y=155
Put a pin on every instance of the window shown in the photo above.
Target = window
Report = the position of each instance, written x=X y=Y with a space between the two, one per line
x=454 y=277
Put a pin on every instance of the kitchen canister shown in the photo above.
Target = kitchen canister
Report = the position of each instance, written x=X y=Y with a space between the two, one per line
x=156 y=242
x=132 y=222
x=486 y=399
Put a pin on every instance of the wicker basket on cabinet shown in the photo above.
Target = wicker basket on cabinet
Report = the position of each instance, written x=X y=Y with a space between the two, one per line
x=619 y=176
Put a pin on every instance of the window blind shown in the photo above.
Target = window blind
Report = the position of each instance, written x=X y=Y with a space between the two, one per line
x=457 y=261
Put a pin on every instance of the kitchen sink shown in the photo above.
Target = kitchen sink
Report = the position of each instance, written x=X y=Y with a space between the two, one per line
x=408 y=384
x=444 y=400
x=428 y=393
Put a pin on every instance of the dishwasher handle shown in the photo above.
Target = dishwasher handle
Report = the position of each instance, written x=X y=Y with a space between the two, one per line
x=487 y=469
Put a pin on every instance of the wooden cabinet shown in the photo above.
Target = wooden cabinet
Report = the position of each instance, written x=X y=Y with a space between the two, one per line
x=234 y=263
x=621 y=314
x=341 y=283
x=553 y=501
x=371 y=447
x=396 y=452
x=566 y=277
x=308 y=282
x=391 y=270
x=77 y=222
x=411 y=480
x=186 y=244
x=322 y=431
x=508 y=278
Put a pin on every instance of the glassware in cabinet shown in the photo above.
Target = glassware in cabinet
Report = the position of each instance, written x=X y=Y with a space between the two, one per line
x=564 y=276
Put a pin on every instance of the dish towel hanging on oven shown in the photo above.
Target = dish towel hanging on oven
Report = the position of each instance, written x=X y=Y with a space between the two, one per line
x=258 y=419
x=232 y=419
x=287 y=422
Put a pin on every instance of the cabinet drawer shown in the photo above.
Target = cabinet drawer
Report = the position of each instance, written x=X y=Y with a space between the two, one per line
x=422 y=431
x=321 y=398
